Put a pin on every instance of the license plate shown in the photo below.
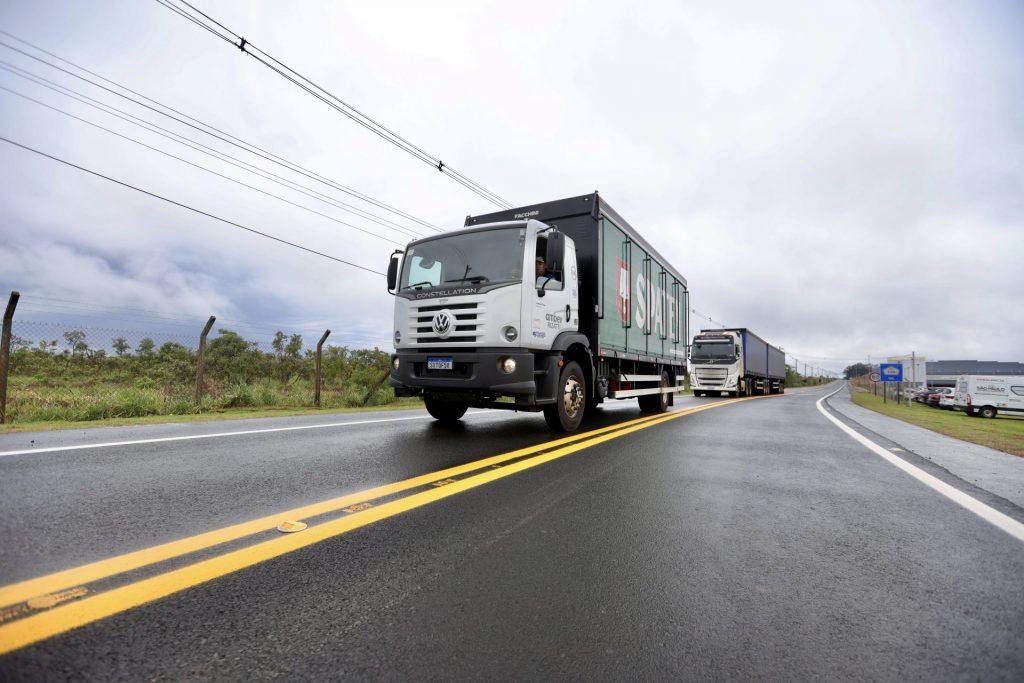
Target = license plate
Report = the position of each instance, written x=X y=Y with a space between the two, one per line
x=439 y=363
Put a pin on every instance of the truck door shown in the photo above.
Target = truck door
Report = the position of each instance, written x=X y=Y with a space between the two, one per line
x=555 y=298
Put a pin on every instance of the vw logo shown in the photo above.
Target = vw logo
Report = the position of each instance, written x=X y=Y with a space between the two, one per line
x=443 y=323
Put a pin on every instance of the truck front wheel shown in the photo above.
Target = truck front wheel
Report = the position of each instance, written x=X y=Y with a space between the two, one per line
x=570 y=400
x=446 y=412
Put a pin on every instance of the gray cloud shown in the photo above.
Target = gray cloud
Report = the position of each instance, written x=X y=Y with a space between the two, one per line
x=844 y=179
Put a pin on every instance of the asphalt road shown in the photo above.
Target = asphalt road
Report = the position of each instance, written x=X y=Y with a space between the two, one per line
x=749 y=539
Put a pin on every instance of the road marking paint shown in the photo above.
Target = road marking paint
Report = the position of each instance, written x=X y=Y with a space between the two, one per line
x=989 y=514
x=31 y=629
x=215 y=435
x=23 y=590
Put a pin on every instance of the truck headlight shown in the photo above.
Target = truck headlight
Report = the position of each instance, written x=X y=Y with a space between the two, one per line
x=395 y=363
x=510 y=333
x=398 y=337
x=507 y=365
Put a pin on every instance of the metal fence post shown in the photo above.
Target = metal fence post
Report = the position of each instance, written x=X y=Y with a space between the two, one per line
x=5 y=352
x=319 y=353
x=199 y=359
x=375 y=387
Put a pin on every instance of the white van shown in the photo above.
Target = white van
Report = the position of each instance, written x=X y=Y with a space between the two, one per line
x=987 y=396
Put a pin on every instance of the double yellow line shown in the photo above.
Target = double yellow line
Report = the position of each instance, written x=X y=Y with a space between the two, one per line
x=70 y=615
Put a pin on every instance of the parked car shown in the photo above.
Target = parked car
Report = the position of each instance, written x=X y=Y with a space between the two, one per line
x=936 y=395
x=947 y=400
x=921 y=394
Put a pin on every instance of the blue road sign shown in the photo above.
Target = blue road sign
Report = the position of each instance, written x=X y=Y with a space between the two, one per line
x=891 y=372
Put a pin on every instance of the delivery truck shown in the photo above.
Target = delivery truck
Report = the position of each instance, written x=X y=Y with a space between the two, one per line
x=989 y=395
x=735 y=362
x=553 y=307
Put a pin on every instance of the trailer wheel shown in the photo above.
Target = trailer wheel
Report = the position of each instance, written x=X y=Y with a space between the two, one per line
x=655 y=403
x=988 y=411
x=446 y=412
x=570 y=400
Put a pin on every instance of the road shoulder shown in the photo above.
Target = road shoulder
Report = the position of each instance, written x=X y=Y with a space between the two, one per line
x=999 y=473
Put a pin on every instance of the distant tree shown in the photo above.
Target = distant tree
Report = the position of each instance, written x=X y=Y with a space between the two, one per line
x=47 y=346
x=294 y=346
x=856 y=370
x=76 y=341
x=121 y=346
x=19 y=342
x=146 y=347
x=278 y=343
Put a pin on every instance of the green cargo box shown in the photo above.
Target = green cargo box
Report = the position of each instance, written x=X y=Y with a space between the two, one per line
x=633 y=304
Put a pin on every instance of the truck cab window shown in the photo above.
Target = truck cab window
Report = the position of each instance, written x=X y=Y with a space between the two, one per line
x=424 y=272
x=545 y=280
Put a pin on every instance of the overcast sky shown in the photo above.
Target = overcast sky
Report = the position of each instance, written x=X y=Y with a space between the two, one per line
x=843 y=178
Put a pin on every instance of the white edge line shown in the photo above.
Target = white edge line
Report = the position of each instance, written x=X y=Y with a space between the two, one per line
x=190 y=437
x=990 y=515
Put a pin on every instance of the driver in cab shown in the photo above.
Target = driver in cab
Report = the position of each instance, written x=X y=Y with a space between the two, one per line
x=545 y=278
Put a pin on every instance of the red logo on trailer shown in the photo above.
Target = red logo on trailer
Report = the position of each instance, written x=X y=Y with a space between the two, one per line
x=622 y=290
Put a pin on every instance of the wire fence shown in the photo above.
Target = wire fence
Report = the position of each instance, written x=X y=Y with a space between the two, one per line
x=66 y=360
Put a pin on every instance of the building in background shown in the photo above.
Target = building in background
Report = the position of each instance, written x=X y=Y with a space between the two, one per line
x=943 y=373
x=914 y=371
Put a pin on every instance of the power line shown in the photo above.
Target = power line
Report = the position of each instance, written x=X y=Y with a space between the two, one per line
x=190 y=208
x=200 y=167
x=202 y=127
x=333 y=101
x=199 y=147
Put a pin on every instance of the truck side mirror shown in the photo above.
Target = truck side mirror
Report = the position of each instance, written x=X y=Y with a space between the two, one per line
x=554 y=255
x=393 y=272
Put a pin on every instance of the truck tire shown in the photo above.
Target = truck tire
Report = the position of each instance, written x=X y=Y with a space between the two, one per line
x=570 y=400
x=655 y=403
x=988 y=411
x=446 y=412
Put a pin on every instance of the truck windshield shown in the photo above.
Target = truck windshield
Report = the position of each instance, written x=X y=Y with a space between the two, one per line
x=474 y=257
x=717 y=350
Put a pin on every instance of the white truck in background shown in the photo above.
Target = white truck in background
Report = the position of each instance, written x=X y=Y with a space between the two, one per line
x=736 y=362
x=988 y=395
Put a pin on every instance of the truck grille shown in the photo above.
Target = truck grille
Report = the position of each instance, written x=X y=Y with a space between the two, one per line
x=469 y=320
x=711 y=377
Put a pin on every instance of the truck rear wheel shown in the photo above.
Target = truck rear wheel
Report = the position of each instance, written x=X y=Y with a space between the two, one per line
x=570 y=400
x=655 y=403
x=987 y=411
x=447 y=412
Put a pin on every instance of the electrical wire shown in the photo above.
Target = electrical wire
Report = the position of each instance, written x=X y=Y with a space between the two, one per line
x=190 y=208
x=205 y=128
x=199 y=147
x=336 y=103
x=201 y=167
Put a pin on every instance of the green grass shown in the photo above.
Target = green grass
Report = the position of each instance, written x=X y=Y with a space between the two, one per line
x=1004 y=433
x=40 y=401
x=215 y=415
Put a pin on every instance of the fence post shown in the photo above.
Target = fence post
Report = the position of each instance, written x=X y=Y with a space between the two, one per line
x=5 y=352
x=375 y=387
x=199 y=359
x=319 y=353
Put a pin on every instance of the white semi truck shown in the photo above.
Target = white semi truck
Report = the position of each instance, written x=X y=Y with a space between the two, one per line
x=735 y=362
x=552 y=307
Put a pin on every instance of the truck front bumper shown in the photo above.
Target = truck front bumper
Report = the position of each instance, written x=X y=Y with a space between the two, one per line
x=475 y=371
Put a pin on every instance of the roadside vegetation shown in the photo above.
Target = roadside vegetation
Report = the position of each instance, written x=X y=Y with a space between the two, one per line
x=1004 y=433
x=49 y=384
x=793 y=379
